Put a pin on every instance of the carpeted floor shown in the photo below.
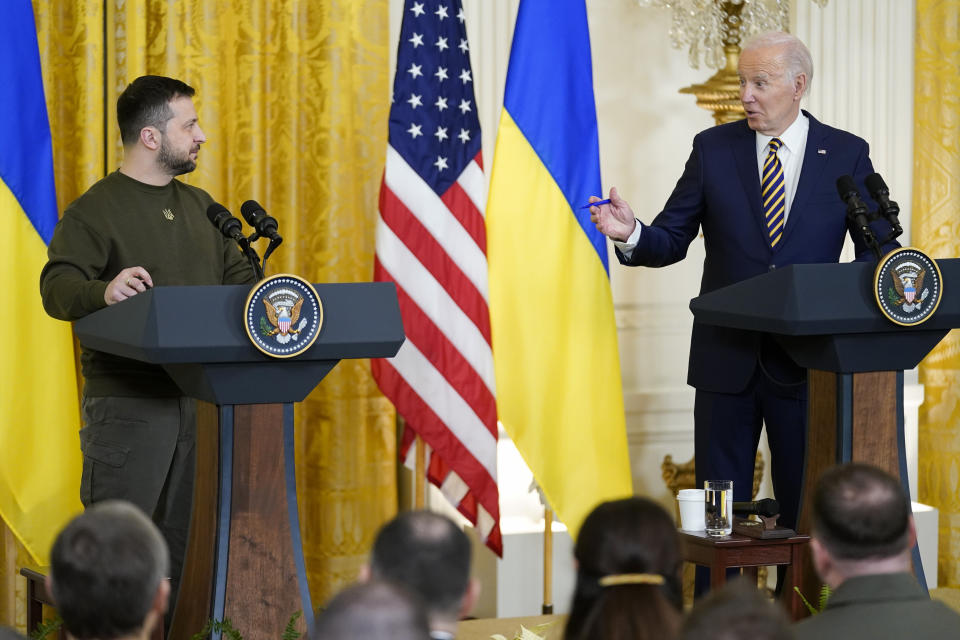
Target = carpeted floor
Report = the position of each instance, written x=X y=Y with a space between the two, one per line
x=948 y=595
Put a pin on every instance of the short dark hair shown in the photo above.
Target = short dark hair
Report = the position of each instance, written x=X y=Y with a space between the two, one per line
x=629 y=536
x=146 y=103
x=428 y=554
x=736 y=610
x=860 y=511
x=374 y=610
x=106 y=566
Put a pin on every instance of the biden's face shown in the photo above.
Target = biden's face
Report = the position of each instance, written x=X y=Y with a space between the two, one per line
x=770 y=96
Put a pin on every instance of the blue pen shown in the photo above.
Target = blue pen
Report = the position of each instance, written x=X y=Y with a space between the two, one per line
x=596 y=204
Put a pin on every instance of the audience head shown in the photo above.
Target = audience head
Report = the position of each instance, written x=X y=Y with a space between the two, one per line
x=108 y=572
x=628 y=573
x=861 y=523
x=428 y=554
x=372 y=610
x=736 y=610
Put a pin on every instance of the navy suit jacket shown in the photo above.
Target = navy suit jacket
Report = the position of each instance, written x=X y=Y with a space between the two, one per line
x=719 y=192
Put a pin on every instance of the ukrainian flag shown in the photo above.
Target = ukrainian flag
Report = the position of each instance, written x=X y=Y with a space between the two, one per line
x=39 y=414
x=555 y=354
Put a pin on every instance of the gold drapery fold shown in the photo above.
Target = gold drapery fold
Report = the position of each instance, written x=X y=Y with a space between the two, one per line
x=936 y=230
x=294 y=98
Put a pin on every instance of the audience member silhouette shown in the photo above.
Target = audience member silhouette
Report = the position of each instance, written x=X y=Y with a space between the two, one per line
x=628 y=574
x=862 y=540
x=735 y=611
x=428 y=554
x=108 y=573
x=372 y=610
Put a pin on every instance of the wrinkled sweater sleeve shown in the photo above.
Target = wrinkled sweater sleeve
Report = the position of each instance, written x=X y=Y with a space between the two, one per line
x=69 y=284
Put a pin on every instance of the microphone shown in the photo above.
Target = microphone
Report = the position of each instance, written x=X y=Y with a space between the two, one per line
x=767 y=507
x=226 y=223
x=263 y=224
x=857 y=211
x=879 y=192
x=856 y=207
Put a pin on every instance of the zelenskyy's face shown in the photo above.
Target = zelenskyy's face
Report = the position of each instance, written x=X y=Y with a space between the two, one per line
x=181 y=139
x=769 y=96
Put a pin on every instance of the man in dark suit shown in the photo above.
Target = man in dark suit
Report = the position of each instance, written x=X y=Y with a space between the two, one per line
x=863 y=535
x=763 y=192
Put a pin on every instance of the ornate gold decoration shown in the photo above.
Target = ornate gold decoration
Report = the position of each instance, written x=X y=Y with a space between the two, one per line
x=712 y=31
x=936 y=229
x=721 y=93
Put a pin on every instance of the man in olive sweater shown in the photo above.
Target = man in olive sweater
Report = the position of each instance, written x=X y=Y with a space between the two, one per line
x=863 y=535
x=135 y=229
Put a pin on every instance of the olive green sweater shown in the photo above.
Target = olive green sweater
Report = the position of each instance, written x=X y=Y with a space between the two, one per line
x=119 y=223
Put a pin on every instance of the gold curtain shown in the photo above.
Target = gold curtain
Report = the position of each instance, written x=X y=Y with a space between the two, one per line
x=936 y=230
x=294 y=98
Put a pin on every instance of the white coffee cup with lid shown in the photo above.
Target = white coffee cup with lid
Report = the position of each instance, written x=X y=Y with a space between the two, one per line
x=691 y=509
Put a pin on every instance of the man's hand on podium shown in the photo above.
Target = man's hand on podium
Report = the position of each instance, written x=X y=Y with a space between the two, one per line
x=128 y=283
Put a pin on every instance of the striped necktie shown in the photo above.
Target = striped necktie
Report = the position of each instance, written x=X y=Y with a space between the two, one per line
x=773 y=194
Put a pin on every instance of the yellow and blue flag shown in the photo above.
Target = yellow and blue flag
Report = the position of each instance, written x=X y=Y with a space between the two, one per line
x=559 y=393
x=40 y=459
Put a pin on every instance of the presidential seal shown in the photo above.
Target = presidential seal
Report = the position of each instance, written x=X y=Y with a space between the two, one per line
x=908 y=286
x=283 y=315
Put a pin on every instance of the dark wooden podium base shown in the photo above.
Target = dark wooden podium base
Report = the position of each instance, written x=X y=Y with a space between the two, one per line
x=851 y=417
x=244 y=557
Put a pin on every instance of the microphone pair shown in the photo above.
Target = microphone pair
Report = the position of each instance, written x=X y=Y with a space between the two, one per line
x=264 y=225
x=856 y=207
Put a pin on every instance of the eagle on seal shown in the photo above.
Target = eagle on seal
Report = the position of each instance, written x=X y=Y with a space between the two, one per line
x=283 y=318
x=908 y=290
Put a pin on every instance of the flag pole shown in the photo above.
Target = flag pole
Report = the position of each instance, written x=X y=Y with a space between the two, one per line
x=420 y=474
x=547 y=561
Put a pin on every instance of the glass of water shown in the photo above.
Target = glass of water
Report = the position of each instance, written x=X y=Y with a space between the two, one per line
x=718 y=507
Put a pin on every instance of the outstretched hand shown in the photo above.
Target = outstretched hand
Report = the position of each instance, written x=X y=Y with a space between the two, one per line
x=128 y=283
x=614 y=220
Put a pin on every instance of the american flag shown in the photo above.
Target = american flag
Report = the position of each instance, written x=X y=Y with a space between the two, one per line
x=431 y=242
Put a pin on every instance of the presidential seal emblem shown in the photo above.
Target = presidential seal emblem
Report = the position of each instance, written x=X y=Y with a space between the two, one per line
x=283 y=315
x=908 y=286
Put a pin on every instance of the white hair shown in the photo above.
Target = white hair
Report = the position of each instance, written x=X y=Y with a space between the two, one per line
x=796 y=55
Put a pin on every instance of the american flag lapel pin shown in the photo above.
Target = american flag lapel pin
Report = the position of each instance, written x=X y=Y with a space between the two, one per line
x=822 y=152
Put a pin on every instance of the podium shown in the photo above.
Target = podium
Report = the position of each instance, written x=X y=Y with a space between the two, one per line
x=826 y=319
x=244 y=558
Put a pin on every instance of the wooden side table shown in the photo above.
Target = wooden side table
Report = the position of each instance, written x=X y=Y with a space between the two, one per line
x=737 y=551
x=37 y=596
